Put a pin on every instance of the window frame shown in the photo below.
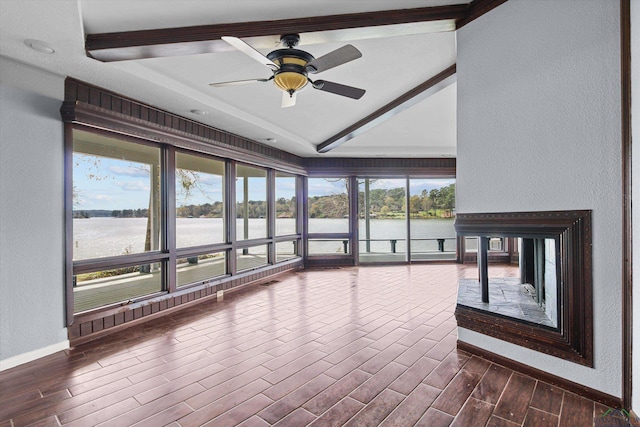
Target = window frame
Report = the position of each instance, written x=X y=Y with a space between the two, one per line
x=168 y=253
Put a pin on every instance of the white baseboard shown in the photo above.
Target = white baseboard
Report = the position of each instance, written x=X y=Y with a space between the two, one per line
x=29 y=356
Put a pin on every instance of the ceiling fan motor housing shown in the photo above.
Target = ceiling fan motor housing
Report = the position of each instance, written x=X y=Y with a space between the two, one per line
x=292 y=75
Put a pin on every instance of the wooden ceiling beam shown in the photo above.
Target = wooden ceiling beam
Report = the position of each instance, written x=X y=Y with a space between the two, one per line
x=395 y=107
x=164 y=42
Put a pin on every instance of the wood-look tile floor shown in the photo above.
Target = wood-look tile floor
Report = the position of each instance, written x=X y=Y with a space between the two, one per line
x=356 y=347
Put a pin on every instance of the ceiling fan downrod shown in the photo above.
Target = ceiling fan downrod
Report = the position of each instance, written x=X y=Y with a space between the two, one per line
x=290 y=40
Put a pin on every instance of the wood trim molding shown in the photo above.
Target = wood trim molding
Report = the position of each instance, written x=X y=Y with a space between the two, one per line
x=164 y=42
x=627 y=230
x=582 y=390
x=476 y=9
x=387 y=167
x=573 y=339
x=98 y=108
x=419 y=93
x=68 y=222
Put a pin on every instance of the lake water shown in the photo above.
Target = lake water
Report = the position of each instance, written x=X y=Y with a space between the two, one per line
x=101 y=237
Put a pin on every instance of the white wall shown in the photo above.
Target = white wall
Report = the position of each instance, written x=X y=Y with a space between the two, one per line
x=32 y=320
x=635 y=186
x=538 y=130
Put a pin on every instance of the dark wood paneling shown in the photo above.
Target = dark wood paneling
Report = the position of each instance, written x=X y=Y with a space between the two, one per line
x=333 y=262
x=404 y=101
x=573 y=340
x=388 y=167
x=571 y=386
x=627 y=231
x=130 y=117
x=189 y=40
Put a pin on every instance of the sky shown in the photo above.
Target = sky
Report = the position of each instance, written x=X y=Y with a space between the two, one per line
x=113 y=184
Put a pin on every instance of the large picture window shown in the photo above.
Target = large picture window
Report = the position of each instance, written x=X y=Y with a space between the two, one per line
x=432 y=214
x=116 y=197
x=199 y=200
x=328 y=205
x=251 y=203
x=387 y=234
x=116 y=214
x=382 y=219
x=286 y=208
x=142 y=226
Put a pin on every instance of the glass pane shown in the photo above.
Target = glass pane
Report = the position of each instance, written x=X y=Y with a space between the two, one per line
x=432 y=215
x=328 y=205
x=251 y=203
x=286 y=250
x=100 y=288
x=471 y=244
x=496 y=244
x=199 y=200
x=116 y=197
x=199 y=268
x=329 y=246
x=253 y=257
x=286 y=211
x=382 y=219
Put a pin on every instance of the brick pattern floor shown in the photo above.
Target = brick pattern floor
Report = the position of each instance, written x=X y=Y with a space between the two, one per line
x=369 y=346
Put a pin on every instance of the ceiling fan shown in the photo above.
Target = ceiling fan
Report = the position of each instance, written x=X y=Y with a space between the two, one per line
x=291 y=67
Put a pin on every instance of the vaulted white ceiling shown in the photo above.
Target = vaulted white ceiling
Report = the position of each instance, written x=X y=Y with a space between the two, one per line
x=394 y=60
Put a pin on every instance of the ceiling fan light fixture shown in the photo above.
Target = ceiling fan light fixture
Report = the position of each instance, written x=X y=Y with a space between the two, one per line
x=290 y=81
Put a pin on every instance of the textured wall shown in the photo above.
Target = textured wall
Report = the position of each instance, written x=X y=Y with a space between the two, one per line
x=539 y=129
x=31 y=214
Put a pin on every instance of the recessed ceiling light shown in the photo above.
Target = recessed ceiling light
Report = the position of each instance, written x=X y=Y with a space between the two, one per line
x=39 y=46
x=200 y=112
x=272 y=140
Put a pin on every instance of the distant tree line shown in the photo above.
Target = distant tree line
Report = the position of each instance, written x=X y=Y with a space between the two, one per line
x=130 y=213
x=383 y=203
x=207 y=210
x=390 y=203
x=435 y=203
x=103 y=213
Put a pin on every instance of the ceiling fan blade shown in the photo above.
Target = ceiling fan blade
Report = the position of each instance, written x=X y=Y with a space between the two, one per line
x=338 y=89
x=288 y=100
x=333 y=59
x=251 y=52
x=238 y=82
